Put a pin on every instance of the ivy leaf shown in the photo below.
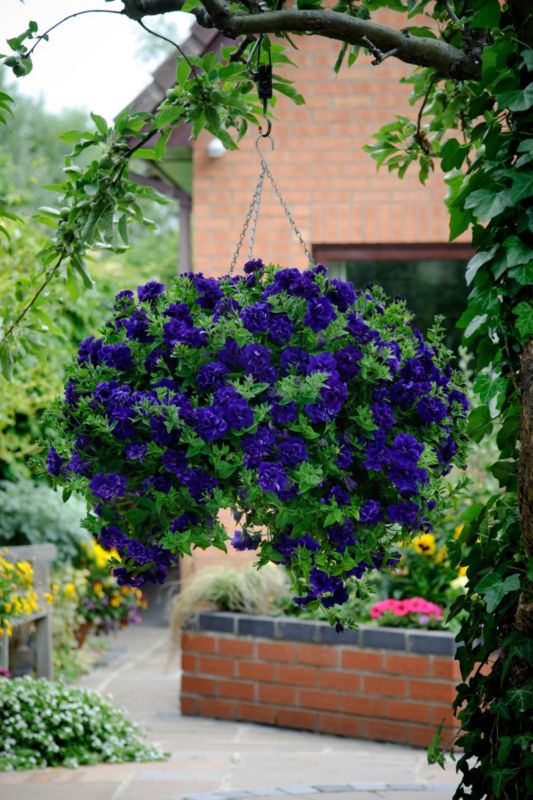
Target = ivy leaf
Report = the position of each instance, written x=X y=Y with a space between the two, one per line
x=521 y=698
x=487 y=203
x=488 y=386
x=494 y=588
x=479 y=423
x=500 y=777
x=516 y=252
x=522 y=275
x=504 y=472
x=477 y=261
x=522 y=186
x=517 y=100
x=478 y=322
x=524 y=321
x=527 y=59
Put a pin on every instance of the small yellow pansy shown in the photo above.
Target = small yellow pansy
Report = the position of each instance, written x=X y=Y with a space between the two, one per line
x=69 y=590
x=425 y=544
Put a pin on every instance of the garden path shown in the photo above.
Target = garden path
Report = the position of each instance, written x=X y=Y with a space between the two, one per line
x=219 y=760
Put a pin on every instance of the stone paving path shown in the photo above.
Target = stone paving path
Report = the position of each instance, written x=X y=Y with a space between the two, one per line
x=218 y=760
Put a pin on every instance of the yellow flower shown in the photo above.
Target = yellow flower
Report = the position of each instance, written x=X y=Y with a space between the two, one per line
x=98 y=588
x=8 y=607
x=115 y=601
x=25 y=568
x=69 y=590
x=462 y=571
x=49 y=597
x=425 y=544
x=441 y=555
x=458 y=530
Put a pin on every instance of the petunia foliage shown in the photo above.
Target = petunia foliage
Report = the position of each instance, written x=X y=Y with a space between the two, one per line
x=316 y=412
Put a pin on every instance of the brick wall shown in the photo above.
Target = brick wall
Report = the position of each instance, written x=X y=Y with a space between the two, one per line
x=348 y=689
x=332 y=187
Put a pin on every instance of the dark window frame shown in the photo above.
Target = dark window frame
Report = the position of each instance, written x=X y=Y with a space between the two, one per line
x=322 y=253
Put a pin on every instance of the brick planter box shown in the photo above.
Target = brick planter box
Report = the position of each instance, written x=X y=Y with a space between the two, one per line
x=385 y=684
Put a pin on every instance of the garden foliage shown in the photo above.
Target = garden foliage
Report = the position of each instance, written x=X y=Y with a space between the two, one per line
x=47 y=724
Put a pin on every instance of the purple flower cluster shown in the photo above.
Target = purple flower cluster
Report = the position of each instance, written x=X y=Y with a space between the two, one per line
x=286 y=395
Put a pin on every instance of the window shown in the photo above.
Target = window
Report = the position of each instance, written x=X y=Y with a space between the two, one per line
x=430 y=277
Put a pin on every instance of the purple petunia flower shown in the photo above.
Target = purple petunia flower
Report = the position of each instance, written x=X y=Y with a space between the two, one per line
x=292 y=451
x=258 y=446
x=319 y=314
x=360 y=331
x=89 y=351
x=342 y=294
x=256 y=318
x=184 y=522
x=150 y=291
x=370 y=512
x=123 y=299
x=272 y=478
x=254 y=265
x=54 y=463
x=209 y=424
x=107 y=485
x=294 y=358
x=117 y=356
x=280 y=329
x=212 y=376
x=71 y=394
x=136 y=451
x=403 y=513
x=284 y=414
x=347 y=362
x=242 y=540
x=136 y=326
x=431 y=409
x=179 y=311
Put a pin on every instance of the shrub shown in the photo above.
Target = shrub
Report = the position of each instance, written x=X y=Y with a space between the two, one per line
x=49 y=724
x=33 y=513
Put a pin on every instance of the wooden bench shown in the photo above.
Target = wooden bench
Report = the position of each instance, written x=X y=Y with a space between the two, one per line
x=40 y=556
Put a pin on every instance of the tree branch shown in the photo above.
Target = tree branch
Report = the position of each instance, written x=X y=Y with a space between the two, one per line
x=424 y=52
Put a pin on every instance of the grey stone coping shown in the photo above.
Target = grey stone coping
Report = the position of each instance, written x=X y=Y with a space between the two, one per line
x=405 y=640
x=345 y=788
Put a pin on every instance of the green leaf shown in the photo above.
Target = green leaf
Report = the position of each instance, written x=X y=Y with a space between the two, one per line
x=488 y=16
x=477 y=261
x=489 y=386
x=476 y=324
x=505 y=472
x=452 y=155
x=479 y=423
x=522 y=275
x=516 y=252
x=526 y=58
x=100 y=123
x=517 y=100
x=289 y=91
x=524 y=322
x=500 y=778
x=494 y=588
x=487 y=203
x=183 y=69
x=6 y=362
x=522 y=186
x=122 y=226
x=340 y=58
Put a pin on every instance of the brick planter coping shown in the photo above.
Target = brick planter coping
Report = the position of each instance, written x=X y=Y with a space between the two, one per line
x=386 y=684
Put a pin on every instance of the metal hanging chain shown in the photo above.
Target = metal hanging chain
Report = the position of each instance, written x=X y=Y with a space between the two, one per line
x=263 y=77
x=285 y=207
x=251 y=216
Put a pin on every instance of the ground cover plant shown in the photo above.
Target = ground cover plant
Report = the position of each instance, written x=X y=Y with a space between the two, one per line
x=49 y=724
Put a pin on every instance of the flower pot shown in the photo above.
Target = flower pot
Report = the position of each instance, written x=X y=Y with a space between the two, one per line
x=81 y=633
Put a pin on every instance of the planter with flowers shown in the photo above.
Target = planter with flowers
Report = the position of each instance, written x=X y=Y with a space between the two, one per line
x=315 y=411
x=103 y=605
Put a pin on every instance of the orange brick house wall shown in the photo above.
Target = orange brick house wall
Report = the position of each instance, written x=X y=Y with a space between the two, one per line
x=330 y=184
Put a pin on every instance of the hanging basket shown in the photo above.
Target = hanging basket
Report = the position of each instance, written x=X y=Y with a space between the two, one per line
x=316 y=412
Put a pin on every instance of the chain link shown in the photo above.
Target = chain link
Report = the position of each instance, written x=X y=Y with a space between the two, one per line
x=252 y=215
